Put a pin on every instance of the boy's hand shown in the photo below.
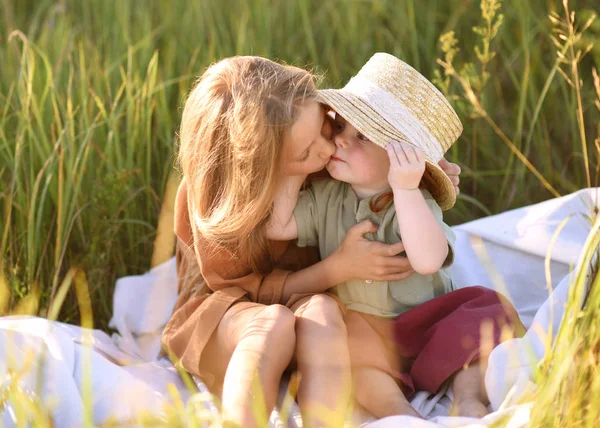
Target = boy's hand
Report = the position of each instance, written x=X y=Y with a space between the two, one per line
x=407 y=165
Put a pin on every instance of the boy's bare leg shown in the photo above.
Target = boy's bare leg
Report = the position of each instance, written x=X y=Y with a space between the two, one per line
x=323 y=361
x=378 y=393
x=470 y=396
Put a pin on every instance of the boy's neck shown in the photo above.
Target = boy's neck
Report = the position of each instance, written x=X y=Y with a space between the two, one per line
x=362 y=192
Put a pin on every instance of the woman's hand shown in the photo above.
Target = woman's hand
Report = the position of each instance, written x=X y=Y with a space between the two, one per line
x=360 y=258
x=407 y=165
x=452 y=170
x=357 y=257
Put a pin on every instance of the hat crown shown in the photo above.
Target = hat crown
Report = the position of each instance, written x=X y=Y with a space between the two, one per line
x=417 y=94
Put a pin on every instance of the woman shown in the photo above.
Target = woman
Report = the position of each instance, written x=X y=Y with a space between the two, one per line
x=249 y=307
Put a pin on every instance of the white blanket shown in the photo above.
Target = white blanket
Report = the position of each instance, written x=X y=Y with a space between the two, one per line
x=125 y=376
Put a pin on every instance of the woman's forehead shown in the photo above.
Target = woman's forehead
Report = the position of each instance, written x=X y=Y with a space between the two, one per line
x=307 y=126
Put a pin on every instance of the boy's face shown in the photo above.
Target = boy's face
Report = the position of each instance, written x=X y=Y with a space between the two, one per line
x=357 y=160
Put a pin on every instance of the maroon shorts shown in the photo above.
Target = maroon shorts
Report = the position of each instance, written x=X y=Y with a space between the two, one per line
x=424 y=346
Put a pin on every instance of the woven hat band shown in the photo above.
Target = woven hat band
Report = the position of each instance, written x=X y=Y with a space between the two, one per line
x=396 y=114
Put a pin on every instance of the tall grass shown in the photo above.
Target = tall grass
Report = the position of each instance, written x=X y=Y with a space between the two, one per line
x=91 y=93
x=567 y=377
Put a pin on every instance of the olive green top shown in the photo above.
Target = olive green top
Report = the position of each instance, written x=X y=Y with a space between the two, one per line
x=324 y=214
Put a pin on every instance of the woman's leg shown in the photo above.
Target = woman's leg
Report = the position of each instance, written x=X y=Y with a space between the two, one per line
x=468 y=388
x=251 y=340
x=323 y=361
x=379 y=393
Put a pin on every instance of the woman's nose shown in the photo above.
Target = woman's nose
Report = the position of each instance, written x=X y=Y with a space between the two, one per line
x=327 y=148
x=327 y=129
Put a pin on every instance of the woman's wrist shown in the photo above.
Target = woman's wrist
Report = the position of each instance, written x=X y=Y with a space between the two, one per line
x=337 y=272
x=316 y=278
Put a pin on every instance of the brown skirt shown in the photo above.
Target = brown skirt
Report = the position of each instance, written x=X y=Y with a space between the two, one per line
x=192 y=324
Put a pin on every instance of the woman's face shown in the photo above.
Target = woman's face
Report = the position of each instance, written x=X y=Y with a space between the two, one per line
x=308 y=144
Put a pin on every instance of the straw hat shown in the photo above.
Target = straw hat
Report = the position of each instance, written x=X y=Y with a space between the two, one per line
x=388 y=100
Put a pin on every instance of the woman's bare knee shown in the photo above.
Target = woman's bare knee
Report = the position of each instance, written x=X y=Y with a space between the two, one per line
x=267 y=323
x=324 y=310
x=276 y=324
x=279 y=317
x=321 y=337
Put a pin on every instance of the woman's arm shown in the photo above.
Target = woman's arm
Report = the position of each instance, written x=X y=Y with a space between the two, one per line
x=452 y=170
x=357 y=257
x=425 y=242
x=282 y=226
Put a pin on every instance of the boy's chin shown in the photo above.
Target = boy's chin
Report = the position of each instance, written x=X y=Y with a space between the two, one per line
x=333 y=172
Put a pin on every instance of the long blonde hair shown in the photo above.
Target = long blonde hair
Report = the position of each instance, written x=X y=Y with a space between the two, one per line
x=231 y=146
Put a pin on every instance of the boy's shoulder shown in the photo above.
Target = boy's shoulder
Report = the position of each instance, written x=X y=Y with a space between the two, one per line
x=430 y=200
x=326 y=186
x=426 y=194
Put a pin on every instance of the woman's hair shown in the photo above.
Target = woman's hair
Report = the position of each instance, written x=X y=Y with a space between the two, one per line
x=231 y=145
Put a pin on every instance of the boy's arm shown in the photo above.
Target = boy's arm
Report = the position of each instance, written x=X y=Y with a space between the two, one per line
x=282 y=226
x=424 y=240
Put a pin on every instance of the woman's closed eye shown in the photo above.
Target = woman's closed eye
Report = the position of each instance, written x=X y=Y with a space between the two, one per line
x=305 y=155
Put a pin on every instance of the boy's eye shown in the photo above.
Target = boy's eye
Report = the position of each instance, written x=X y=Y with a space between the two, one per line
x=362 y=137
x=338 y=126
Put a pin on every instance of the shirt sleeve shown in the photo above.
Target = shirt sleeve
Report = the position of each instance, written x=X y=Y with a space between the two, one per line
x=306 y=215
x=220 y=268
x=450 y=236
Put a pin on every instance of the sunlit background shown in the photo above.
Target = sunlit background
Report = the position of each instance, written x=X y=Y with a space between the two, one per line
x=91 y=94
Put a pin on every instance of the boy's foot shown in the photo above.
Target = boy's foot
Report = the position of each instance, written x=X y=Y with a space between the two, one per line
x=396 y=408
x=410 y=411
x=469 y=407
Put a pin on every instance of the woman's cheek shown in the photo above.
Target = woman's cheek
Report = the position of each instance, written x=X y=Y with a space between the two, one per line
x=318 y=165
x=294 y=168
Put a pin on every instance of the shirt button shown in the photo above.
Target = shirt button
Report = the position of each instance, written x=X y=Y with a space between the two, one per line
x=368 y=281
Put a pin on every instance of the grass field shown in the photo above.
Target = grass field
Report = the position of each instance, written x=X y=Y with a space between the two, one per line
x=91 y=95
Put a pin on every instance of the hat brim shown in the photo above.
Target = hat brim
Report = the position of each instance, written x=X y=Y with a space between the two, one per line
x=370 y=123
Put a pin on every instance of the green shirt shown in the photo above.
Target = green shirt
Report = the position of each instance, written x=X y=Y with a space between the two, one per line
x=324 y=214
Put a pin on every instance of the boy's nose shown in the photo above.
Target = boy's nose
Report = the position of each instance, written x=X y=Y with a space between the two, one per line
x=340 y=141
